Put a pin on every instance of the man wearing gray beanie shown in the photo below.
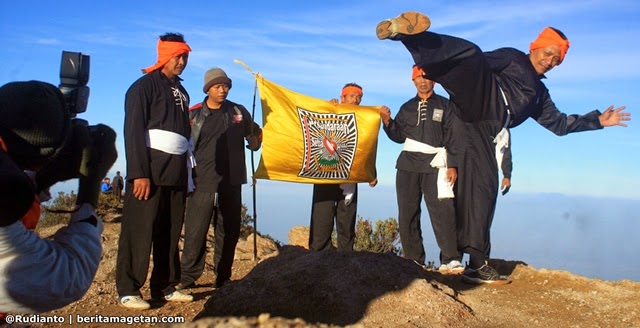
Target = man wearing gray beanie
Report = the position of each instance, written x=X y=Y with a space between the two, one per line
x=38 y=135
x=219 y=129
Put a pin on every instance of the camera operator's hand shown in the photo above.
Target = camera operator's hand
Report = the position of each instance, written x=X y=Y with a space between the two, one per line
x=97 y=159
x=65 y=164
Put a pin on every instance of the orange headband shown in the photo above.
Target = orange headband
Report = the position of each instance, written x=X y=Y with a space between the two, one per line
x=417 y=71
x=349 y=89
x=549 y=37
x=166 y=51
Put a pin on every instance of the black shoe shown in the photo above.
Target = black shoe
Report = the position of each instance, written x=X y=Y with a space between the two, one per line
x=484 y=275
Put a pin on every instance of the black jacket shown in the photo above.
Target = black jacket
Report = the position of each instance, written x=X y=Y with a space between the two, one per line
x=529 y=97
x=443 y=131
x=239 y=125
x=150 y=104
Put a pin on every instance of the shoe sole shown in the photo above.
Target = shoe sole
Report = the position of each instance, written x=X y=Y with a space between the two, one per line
x=408 y=23
x=179 y=300
x=138 y=307
x=455 y=272
x=478 y=281
x=135 y=307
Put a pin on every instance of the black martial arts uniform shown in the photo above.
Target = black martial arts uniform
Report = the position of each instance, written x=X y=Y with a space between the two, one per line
x=433 y=123
x=475 y=82
x=153 y=102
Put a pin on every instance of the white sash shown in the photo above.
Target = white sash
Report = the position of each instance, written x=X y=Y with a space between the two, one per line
x=348 y=189
x=502 y=143
x=502 y=139
x=175 y=144
x=445 y=188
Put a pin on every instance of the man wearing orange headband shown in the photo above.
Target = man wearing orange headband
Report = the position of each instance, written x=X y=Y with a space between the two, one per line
x=339 y=201
x=156 y=136
x=495 y=90
x=431 y=133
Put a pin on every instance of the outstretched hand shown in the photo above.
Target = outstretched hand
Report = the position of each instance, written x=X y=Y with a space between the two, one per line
x=613 y=117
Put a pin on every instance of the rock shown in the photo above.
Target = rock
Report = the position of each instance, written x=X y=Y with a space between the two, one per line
x=266 y=248
x=299 y=236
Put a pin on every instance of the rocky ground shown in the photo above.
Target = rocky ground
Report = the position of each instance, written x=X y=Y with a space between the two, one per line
x=293 y=287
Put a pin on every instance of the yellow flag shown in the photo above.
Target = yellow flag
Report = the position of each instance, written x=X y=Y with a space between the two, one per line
x=311 y=140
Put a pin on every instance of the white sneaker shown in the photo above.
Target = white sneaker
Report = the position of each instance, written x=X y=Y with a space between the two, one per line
x=177 y=296
x=133 y=302
x=453 y=267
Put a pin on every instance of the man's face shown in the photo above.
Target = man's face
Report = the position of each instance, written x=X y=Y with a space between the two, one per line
x=218 y=92
x=176 y=65
x=423 y=85
x=351 y=98
x=544 y=59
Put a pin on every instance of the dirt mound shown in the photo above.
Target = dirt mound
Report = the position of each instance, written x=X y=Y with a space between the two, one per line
x=337 y=288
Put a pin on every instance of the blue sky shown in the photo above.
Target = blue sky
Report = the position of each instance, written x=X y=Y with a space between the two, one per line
x=315 y=47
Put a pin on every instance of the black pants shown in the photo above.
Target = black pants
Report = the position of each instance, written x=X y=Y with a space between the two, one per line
x=462 y=70
x=410 y=188
x=197 y=220
x=158 y=222
x=227 y=229
x=328 y=203
x=477 y=191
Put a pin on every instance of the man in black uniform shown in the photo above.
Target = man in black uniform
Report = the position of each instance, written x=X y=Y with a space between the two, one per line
x=218 y=131
x=428 y=121
x=156 y=133
x=494 y=90
x=336 y=202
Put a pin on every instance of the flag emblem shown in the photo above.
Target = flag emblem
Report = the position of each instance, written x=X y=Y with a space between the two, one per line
x=330 y=142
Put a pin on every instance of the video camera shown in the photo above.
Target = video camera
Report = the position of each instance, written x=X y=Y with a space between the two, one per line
x=74 y=76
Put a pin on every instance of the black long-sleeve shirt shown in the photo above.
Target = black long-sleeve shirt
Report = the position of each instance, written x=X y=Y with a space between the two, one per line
x=435 y=125
x=529 y=97
x=155 y=102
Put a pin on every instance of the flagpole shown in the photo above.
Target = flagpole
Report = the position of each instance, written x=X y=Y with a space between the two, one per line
x=253 y=166
x=253 y=180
